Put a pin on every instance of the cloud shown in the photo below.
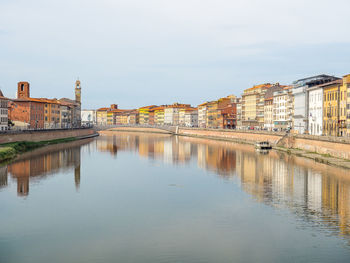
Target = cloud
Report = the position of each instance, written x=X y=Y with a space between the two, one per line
x=185 y=50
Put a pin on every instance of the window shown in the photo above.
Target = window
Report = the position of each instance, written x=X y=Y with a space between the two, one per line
x=22 y=87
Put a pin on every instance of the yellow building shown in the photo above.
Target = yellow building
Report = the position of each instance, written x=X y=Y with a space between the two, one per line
x=346 y=84
x=110 y=118
x=212 y=115
x=124 y=117
x=159 y=115
x=133 y=117
x=333 y=113
x=144 y=114
x=253 y=100
x=51 y=114
x=101 y=116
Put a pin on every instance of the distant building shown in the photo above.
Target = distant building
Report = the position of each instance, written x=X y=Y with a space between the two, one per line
x=171 y=113
x=346 y=84
x=144 y=114
x=281 y=111
x=52 y=114
x=228 y=116
x=88 y=117
x=269 y=107
x=159 y=115
x=253 y=102
x=191 y=117
x=239 y=113
x=202 y=115
x=101 y=116
x=26 y=112
x=3 y=112
x=333 y=118
x=301 y=100
x=66 y=115
x=315 y=125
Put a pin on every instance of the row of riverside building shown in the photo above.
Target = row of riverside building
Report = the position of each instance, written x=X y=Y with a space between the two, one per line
x=25 y=112
x=317 y=105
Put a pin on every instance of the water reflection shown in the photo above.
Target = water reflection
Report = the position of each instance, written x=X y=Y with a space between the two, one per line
x=316 y=193
x=41 y=163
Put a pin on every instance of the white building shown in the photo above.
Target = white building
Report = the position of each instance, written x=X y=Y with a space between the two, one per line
x=315 y=110
x=202 y=115
x=301 y=100
x=239 y=114
x=300 y=109
x=191 y=118
x=66 y=116
x=280 y=110
x=3 y=112
x=171 y=116
x=88 y=117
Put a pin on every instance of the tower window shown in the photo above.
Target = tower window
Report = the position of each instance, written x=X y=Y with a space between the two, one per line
x=22 y=87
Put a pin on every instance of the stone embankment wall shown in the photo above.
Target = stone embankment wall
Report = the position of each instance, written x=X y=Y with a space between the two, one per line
x=239 y=136
x=47 y=135
x=333 y=146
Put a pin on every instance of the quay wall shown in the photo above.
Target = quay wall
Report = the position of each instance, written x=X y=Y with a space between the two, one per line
x=326 y=145
x=45 y=135
x=332 y=146
x=238 y=136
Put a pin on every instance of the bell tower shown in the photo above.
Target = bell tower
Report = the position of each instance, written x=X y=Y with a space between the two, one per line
x=78 y=92
x=23 y=90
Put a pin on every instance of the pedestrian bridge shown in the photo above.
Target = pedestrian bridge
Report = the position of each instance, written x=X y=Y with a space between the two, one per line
x=163 y=128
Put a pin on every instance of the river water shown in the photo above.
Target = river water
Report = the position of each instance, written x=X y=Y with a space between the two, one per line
x=132 y=197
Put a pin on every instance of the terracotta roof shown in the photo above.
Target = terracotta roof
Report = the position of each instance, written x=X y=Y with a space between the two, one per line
x=159 y=108
x=148 y=107
x=267 y=85
x=2 y=96
x=102 y=109
x=29 y=99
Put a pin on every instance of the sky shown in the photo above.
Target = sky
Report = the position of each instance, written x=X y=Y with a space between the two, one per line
x=136 y=52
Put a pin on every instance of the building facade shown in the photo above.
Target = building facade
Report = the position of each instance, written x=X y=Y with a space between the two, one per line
x=346 y=83
x=88 y=117
x=202 y=115
x=315 y=119
x=281 y=111
x=101 y=116
x=301 y=100
x=3 y=112
x=253 y=102
x=191 y=118
x=332 y=125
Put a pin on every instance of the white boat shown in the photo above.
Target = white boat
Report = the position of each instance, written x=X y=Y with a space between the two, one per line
x=263 y=145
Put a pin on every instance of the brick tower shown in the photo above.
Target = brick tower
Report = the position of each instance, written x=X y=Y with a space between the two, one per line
x=78 y=92
x=23 y=90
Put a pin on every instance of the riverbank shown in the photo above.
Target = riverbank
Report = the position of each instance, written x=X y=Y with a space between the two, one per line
x=10 y=150
x=331 y=151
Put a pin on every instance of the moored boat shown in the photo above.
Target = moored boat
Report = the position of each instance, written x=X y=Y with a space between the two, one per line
x=265 y=145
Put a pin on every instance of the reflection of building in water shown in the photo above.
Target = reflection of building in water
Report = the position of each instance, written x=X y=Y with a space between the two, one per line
x=315 y=196
x=43 y=164
x=3 y=176
x=77 y=176
x=314 y=192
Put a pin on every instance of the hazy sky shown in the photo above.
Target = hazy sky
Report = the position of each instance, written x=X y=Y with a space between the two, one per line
x=141 y=52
